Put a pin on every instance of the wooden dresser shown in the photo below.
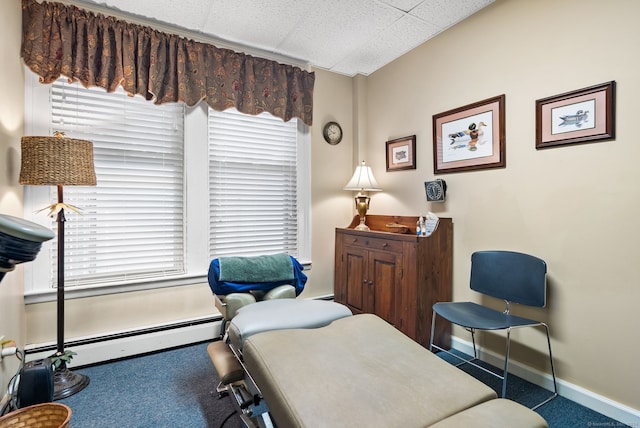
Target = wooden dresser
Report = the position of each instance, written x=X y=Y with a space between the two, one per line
x=397 y=276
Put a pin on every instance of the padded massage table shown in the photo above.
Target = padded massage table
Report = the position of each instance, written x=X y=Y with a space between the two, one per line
x=355 y=371
x=254 y=318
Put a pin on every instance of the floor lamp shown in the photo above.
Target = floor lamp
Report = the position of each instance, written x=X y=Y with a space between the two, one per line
x=59 y=161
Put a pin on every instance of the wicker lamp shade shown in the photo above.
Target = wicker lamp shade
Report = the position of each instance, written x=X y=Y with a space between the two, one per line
x=57 y=161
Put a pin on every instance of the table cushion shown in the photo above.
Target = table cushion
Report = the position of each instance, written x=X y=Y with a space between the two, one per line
x=282 y=314
x=495 y=413
x=356 y=371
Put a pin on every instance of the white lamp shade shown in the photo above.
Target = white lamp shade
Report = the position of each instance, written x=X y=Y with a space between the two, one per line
x=363 y=179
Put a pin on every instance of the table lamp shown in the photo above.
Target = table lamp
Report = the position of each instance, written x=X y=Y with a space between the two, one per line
x=362 y=182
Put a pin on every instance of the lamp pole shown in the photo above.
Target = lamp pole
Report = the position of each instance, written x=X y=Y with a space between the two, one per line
x=60 y=285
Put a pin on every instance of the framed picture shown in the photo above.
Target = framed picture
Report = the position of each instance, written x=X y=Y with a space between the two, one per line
x=401 y=153
x=581 y=116
x=470 y=138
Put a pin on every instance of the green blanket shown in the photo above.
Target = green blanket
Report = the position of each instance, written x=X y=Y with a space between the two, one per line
x=271 y=268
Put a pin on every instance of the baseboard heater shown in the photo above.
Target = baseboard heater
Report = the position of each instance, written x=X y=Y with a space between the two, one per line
x=110 y=347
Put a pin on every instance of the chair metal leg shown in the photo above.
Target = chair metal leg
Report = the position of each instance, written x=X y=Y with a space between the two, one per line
x=473 y=340
x=506 y=364
x=553 y=371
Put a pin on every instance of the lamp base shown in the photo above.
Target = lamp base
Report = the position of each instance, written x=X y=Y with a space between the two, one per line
x=362 y=225
x=66 y=383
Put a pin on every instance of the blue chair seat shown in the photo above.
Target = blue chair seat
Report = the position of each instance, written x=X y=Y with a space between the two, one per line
x=475 y=316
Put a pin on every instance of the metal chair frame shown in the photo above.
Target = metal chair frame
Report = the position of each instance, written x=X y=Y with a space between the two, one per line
x=495 y=320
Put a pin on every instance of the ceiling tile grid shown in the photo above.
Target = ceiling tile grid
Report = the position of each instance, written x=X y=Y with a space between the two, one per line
x=445 y=13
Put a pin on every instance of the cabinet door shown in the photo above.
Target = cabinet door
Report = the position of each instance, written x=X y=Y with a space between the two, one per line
x=357 y=295
x=384 y=276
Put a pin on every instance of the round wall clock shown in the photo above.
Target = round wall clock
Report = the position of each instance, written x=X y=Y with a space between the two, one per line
x=332 y=133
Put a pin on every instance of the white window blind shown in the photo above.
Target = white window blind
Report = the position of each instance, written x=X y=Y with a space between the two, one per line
x=253 y=196
x=132 y=224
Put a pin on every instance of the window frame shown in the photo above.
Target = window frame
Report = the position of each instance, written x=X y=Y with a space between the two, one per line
x=37 y=112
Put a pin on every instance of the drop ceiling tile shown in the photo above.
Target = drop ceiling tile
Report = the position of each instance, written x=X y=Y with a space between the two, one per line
x=255 y=23
x=327 y=37
x=445 y=13
x=403 y=36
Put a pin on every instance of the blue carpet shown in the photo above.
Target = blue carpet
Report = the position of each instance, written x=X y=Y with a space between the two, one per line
x=559 y=412
x=175 y=388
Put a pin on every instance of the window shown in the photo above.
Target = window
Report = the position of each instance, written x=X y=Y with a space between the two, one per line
x=142 y=224
x=252 y=184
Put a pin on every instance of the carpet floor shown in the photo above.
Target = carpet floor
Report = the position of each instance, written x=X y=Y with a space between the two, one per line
x=176 y=388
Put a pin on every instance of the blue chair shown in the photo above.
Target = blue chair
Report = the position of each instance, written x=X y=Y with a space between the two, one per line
x=507 y=275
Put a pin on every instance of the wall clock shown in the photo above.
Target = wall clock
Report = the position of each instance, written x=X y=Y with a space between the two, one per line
x=436 y=190
x=332 y=133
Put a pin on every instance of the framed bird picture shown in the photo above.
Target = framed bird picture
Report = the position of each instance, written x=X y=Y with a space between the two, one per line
x=401 y=153
x=583 y=116
x=470 y=138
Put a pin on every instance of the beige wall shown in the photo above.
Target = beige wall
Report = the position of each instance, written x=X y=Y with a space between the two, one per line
x=331 y=168
x=577 y=207
x=12 y=323
x=573 y=206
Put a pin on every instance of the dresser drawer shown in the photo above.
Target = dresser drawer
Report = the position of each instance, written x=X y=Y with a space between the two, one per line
x=372 y=243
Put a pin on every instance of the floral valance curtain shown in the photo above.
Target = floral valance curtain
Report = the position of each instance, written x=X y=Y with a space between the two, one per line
x=103 y=51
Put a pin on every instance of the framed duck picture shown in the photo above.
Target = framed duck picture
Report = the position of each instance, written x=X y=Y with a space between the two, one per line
x=470 y=138
x=583 y=116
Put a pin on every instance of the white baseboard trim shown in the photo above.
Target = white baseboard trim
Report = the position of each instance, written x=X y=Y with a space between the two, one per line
x=578 y=394
x=136 y=344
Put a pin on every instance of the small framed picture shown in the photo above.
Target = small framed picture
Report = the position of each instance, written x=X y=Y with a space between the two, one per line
x=470 y=138
x=401 y=153
x=583 y=116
